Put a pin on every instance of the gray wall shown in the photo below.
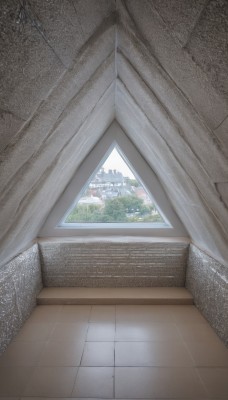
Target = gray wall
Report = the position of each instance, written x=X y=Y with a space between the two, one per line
x=207 y=281
x=20 y=282
x=110 y=264
x=159 y=67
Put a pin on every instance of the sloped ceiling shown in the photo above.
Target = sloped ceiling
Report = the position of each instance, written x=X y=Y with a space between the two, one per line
x=70 y=67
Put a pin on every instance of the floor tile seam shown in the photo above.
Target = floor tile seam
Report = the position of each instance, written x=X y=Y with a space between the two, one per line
x=212 y=367
x=187 y=348
x=74 y=383
x=165 y=367
x=114 y=344
x=126 y=341
x=202 y=381
x=157 y=365
x=79 y=365
x=195 y=362
x=179 y=332
x=88 y=321
x=28 y=381
x=43 y=351
x=144 y=341
x=84 y=345
x=100 y=341
x=46 y=397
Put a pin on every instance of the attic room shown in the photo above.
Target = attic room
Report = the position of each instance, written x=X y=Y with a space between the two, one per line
x=114 y=199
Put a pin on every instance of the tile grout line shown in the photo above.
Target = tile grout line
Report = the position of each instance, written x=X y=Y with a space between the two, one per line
x=201 y=380
x=114 y=368
x=88 y=322
x=47 y=341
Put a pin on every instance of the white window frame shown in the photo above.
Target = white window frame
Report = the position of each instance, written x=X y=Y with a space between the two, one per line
x=114 y=137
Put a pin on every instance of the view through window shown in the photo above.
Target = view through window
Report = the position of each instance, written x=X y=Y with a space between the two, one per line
x=114 y=195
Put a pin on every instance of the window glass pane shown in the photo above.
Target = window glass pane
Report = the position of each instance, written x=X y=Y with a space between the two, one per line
x=114 y=195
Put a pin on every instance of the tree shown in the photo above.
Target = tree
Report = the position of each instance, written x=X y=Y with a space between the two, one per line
x=133 y=204
x=119 y=209
x=114 y=210
x=85 y=213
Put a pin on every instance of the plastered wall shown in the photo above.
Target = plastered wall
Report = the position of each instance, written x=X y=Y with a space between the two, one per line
x=207 y=281
x=20 y=282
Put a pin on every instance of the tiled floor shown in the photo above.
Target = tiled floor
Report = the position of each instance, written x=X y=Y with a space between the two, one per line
x=123 y=352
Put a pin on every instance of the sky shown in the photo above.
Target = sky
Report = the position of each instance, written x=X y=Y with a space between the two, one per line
x=115 y=161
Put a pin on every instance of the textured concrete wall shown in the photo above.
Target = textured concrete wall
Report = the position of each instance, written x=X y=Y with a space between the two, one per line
x=59 y=92
x=173 y=135
x=20 y=282
x=207 y=281
x=72 y=114
x=107 y=264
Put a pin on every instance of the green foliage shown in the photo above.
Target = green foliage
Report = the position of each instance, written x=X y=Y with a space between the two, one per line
x=85 y=213
x=115 y=210
x=119 y=209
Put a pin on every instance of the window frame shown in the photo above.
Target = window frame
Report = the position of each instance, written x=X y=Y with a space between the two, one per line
x=114 y=136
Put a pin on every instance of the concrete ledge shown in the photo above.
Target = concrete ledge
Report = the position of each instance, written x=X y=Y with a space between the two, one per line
x=166 y=296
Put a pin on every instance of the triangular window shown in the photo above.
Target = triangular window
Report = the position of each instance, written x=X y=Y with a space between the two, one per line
x=114 y=194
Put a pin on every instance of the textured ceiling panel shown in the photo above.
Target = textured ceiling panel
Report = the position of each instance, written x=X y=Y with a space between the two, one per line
x=69 y=68
x=192 y=207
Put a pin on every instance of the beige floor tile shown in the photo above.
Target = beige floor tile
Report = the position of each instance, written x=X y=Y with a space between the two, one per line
x=187 y=314
x=103 y=314
x=94 y=382
x=45 y=314
x=216 y=382
x=146 y=331
x=61 y=354
x=69 y=332
x=22 y=354
x=101 y=332
x=98 y=354
x=153 y=383
x=40 y=331
x=149 y=340
x=157 y=354
x=208 y=354
x=74 y=313
x=13 y=380
x=196 y=332
x=10 y=398
x=50 y=382
x=149 y=313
